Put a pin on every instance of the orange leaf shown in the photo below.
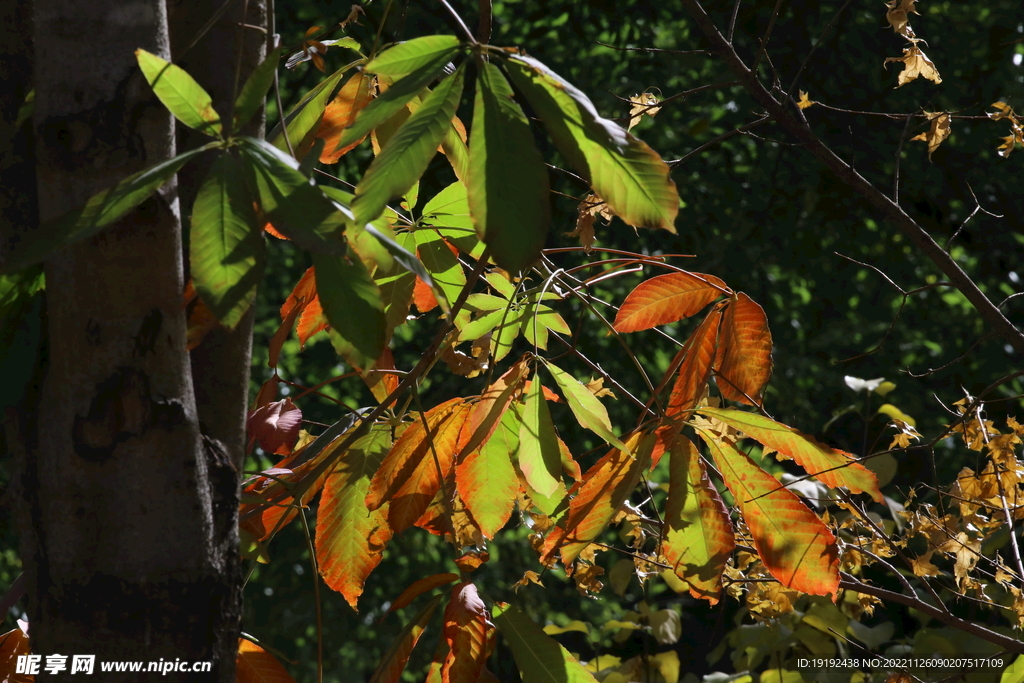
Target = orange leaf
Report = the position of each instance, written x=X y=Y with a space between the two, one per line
x=340 y=114
x=472 y=561
x=408 y=477
x=350 y=539
x=200 y=319
x=270 y=229
x=256 y=665
x=695 y=368
x=419 y=587
x=667 y=298
x=793 y=543
x=381 y=384
x=311 y=321
x=492 y=404
x=423 y=296
x=548 y=394
x=830 y=466
x=302 y=293
x=12 y=644
x=465 y=630
x=744 y=360
x=606 y=486
x=393 y=663
x=262 y=525
x=488 y=484
x=698 y=533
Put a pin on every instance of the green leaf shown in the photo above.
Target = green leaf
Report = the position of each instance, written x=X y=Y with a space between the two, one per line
x=255 y=89
x=447 y=213
x=392 y=100
x=539 y=657
x=396 y=287
x=304 y=118
x=102 y=209
x=290 y=201
x=404 y=58
x=180 y=93
x=353 y=305
x=503 y=325
x=589 y=411
x=624 y=171
x=226 y=253
x=508 y=183
x=446 y=270
x=408 y=153
x=539 y=457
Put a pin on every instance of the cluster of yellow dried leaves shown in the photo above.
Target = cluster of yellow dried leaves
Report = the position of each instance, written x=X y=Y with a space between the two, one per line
x=915 y=62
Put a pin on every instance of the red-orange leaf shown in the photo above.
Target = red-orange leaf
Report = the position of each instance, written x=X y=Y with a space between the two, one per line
x=695 y=368
x=830 y=466
x=380 y=382
x=311 y=321
x=744 y=361
x=667 y=298
x=794 y=544
x=698 y=533
x=393 y=663
x=350 y=539
x=12 y=644
x=408 y=477
x=421 y=586
x=340 y=114
x=606 y=486
x=302 y=293
x=423 y=297
x=260 y=526
x=465 y=630
x=256 y=665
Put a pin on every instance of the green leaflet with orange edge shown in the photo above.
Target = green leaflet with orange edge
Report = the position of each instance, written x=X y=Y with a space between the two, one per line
x=792 y=542
x=832 y=467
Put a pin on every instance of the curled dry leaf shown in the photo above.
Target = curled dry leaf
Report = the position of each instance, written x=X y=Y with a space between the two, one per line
x=937 y=132
x=1016 y=136
x=275 y=426
x=804 y=102
x=915 y=63
x=589 y=209
x=644 y=103
x=898 y=16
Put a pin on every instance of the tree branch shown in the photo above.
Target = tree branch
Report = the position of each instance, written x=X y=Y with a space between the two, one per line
x=799 y=129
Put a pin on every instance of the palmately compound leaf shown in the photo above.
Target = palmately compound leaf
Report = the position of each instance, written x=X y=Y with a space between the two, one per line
x=508 y=183
x=353 y=306
x=226 y=251
x=404 y=58
x=624 y=171
x=539 y=657
x=409 y=151
x=103 y=209
x=180 y=93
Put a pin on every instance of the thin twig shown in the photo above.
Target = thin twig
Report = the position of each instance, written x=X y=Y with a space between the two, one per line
x=316 y=597
x=459 y=21
x=655 y=49
x=721 y=138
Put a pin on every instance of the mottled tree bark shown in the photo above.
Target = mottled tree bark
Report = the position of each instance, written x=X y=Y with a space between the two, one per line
x=127 y=515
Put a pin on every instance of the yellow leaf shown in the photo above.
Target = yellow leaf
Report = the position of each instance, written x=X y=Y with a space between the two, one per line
x=923 y=566
x=580 y=626
x=668 y=665
x=897 y=16
x=915 y=63
x=896 y=414
x=936 y=133
x=804 y=102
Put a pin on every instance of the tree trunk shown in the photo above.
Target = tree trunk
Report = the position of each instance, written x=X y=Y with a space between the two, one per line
x=127 y=530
